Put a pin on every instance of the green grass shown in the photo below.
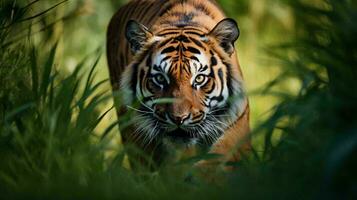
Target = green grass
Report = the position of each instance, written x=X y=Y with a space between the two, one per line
x=56 y=139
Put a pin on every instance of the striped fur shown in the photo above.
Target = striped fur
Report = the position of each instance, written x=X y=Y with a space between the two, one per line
x=180 y=50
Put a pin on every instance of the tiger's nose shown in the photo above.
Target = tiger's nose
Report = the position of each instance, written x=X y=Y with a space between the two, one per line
x=179 y=119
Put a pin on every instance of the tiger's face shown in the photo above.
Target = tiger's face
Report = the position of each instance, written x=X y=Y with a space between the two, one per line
x=183 y=81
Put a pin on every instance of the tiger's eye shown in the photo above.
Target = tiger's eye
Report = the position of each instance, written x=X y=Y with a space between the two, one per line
x=199 y=79
x=160 y=78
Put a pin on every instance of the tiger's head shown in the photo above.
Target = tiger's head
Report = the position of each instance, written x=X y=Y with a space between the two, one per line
x=188 y=88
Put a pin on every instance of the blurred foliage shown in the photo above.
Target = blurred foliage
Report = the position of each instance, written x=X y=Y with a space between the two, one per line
x=58 y=133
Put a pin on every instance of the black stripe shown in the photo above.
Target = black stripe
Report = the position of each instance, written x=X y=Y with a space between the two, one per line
x=212 y=88
x=169 y=33
x=186 y=30
x=229 y=79
x=157 y=68
x=203 y=69
x=197 y=117
x=172 y=68
x=194 y=58
x=198 y=43
x=204 y=103
x=165 y=42
x=187 y=68
x=134 y=78
x=213 y=61
x=141 y=77
x=194 y=33
x=217 y=98
x=193 y=50
x=211 y=74
x=164 y=67
x=164 y=59
x=148 y=60
x=146 y=99
x=192 y=28
x=168 y=29
x=220 y=75
x=168 y=50
x=220 y=97
x=182 y=38
x=222 y=110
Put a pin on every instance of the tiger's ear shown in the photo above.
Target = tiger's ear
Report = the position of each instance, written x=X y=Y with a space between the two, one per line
x=226 y=33
x=137 y=35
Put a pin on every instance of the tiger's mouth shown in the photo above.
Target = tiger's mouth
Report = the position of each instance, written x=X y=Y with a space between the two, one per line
x=180 y=133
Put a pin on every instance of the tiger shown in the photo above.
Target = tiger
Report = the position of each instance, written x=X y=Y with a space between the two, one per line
x=176 y=60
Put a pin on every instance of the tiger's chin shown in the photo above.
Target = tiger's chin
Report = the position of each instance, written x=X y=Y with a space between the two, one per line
x=184 y=137
x=181 y=136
